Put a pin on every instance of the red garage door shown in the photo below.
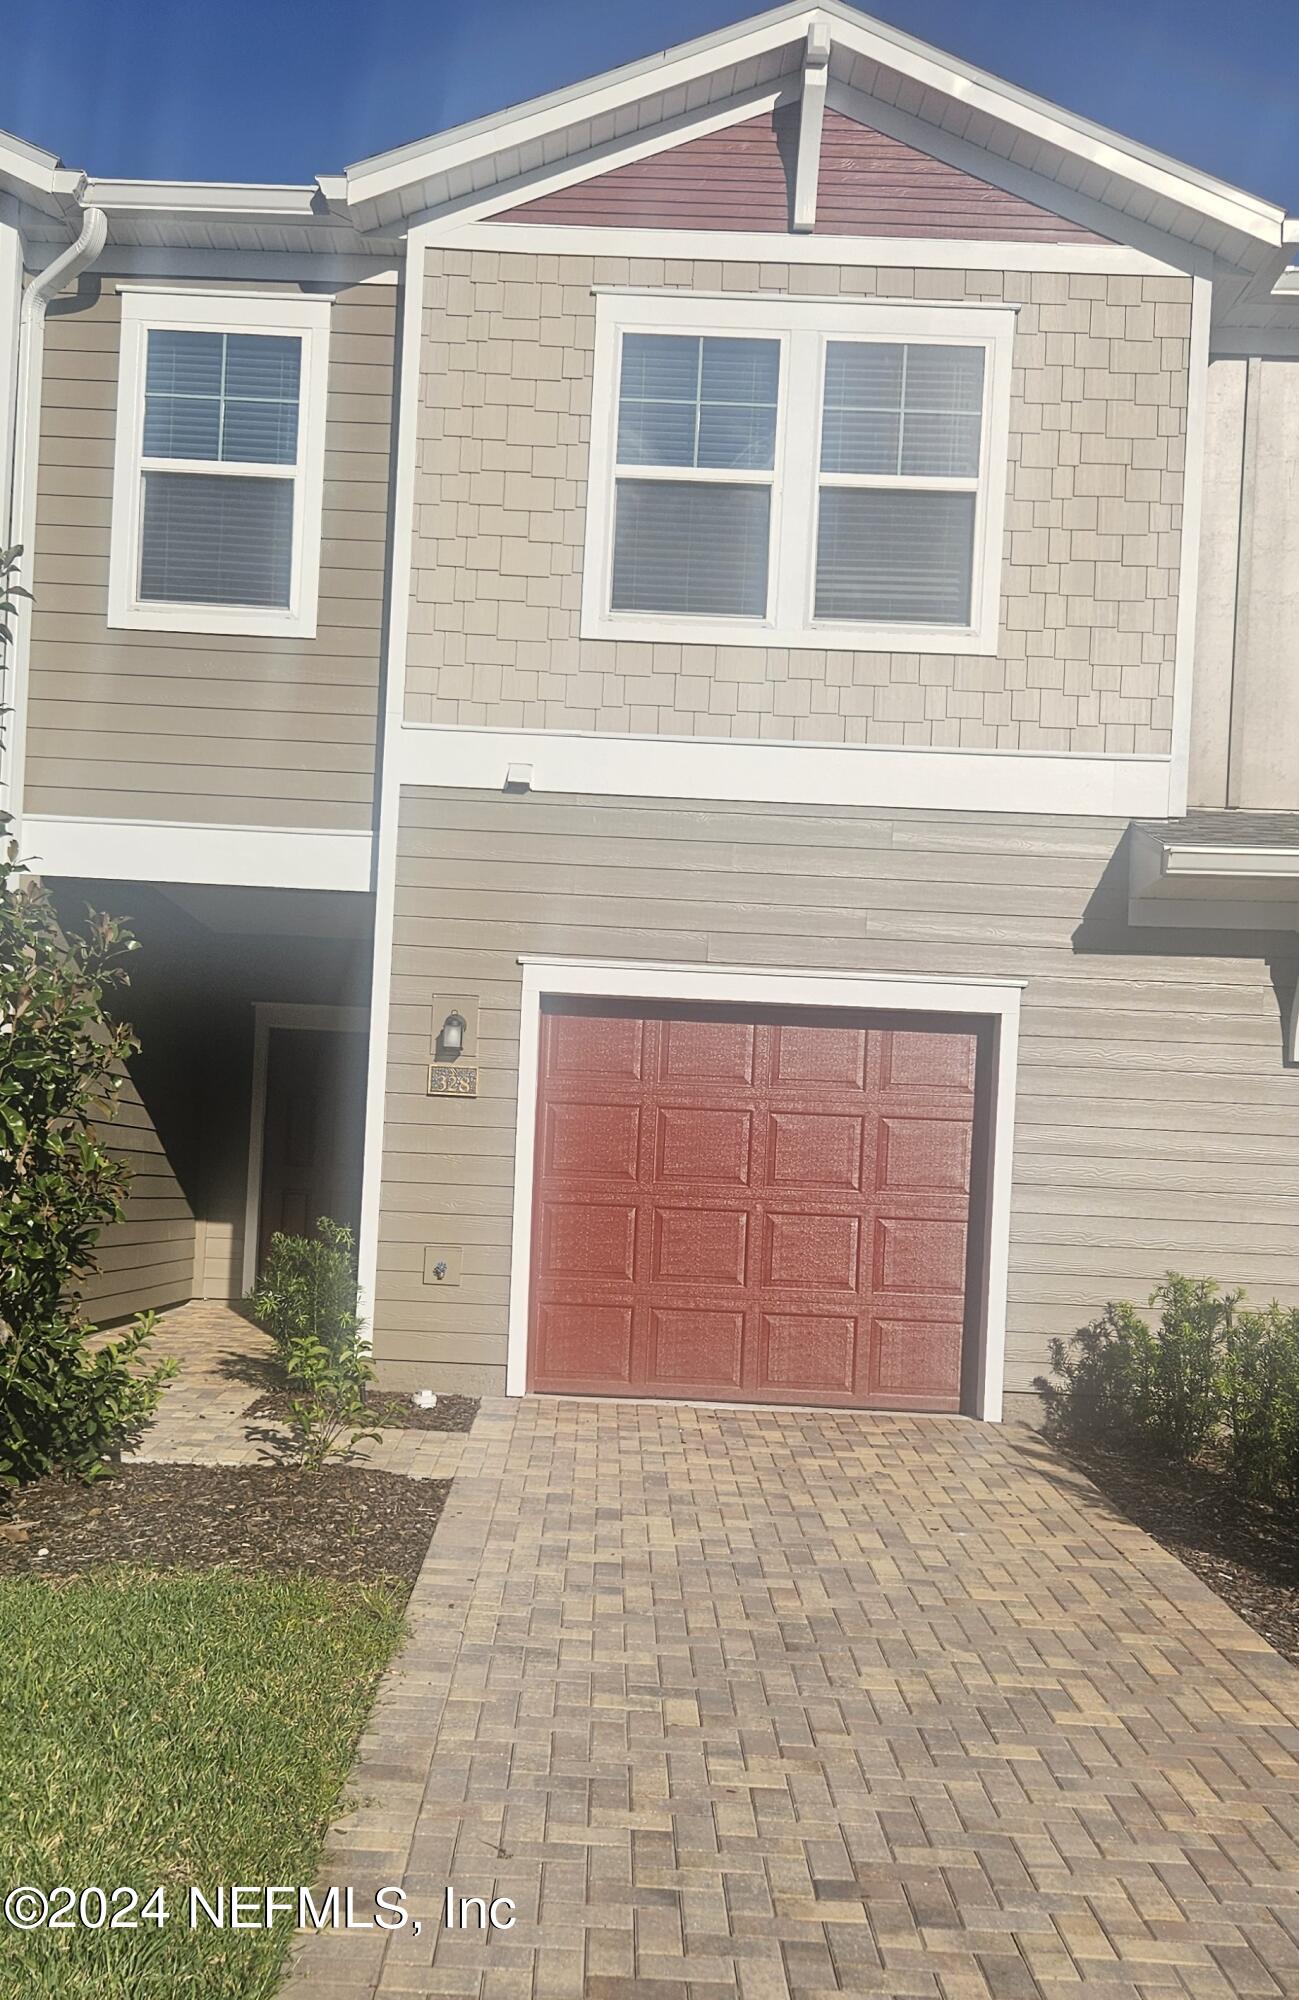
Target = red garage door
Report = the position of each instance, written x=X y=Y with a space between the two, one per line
x=763 y=1208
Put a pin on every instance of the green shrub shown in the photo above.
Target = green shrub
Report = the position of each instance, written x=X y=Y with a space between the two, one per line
x=307 y=1302
x=1260 y=1383
x=1209 y=1376
x=307 y=1290
x=1161 y=1386
x=62 y=1408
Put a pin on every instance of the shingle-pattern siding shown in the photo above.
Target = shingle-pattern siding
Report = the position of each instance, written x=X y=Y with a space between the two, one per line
x=1090 y=570
x=1155 y=1124
x=179 y=726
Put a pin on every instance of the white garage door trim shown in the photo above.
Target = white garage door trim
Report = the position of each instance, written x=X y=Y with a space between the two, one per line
x=774 y=986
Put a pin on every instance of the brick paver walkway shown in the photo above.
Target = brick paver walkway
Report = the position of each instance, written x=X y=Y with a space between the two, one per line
x=203 y=1417
x=778 y=1703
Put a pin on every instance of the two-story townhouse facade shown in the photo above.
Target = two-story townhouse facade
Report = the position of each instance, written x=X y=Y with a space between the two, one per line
x=803 y=540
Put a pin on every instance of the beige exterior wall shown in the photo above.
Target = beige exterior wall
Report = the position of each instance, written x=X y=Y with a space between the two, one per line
x=1155 y=1128
x=1245 y=707
x=146 y=1260
x=1089 y=579
x=163 y=725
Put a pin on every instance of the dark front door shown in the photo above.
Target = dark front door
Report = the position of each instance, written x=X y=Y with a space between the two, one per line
x=315 y=1123
x=760 y=1208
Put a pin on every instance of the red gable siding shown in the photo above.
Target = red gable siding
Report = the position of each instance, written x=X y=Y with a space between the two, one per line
x=871 y=185
x=734 y=179
x=741 y=178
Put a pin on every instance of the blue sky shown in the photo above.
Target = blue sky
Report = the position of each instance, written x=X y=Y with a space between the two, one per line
x=274 y=90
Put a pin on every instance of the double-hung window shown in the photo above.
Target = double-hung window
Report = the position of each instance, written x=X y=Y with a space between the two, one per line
x=220 y=454
x=795 y=472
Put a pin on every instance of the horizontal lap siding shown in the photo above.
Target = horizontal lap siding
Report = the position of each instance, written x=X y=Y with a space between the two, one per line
x=741 y=178
x=147 y=1260
x=158 y=725
x=1156 y=1126
x=1090 y=548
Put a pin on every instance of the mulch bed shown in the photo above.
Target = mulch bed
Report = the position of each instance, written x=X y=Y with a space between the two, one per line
x=1248 y=1554
x=346 y=1522
x=449 y=1413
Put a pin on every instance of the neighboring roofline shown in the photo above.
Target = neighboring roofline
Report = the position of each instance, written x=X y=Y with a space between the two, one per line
x=1097 y=145
x=37 y=177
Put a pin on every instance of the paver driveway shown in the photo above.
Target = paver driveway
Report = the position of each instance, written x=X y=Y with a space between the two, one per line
x=768 y=1703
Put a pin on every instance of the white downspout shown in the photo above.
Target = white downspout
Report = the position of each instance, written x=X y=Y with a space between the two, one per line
x=20 y=524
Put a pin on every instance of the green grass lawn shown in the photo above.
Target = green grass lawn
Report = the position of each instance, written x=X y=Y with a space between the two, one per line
x=176 y=1728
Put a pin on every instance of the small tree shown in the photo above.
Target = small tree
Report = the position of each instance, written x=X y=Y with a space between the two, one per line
x=63 y=1408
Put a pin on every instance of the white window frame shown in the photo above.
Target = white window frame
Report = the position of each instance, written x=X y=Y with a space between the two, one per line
x=803 y=328
x=306 y=319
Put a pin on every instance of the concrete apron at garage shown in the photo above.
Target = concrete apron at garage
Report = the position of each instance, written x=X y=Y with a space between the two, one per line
x=772 y=1702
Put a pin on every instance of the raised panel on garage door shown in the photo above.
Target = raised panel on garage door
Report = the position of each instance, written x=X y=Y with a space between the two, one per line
x=752 y=1207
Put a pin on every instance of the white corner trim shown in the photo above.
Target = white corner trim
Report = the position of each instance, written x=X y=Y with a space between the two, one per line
x=923 y=253
x=152 y=850
x=801 y=328
x=389 y=770
x=1188 y=579
x=760 y=986
x=268 y=1014
x=830 y=774
x=145 y=308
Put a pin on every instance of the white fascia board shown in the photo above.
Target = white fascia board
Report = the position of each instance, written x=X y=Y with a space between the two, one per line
x=1094 y=145
x=409 y=166
x=547 y=239
x=143 y=850
x=622 y=151
x=1232 y=863
x=240 y=201
x=901 y=778
x=37 y=177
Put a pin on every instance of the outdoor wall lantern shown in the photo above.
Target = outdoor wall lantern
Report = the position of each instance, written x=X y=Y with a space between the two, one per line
x=451 y=1036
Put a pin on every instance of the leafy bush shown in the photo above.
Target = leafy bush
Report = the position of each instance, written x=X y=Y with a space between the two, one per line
x=1210 y=1376
x=307 y=1302
x=307 y=1290
x=62 y=1408
x=1123 y=1379
x=1260 y=1384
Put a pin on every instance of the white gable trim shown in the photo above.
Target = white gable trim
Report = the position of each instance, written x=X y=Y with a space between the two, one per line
x=757 y=51
x=620 y=152
x=997 y=171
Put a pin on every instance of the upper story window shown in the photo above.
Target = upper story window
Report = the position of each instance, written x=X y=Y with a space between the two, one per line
x=797 y=472
x=220 y=454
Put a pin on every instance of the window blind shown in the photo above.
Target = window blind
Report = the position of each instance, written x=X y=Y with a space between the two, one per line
x=892 y=554
x=209 y=539
x=901 y=410
x=691 y=547
x=697 y=404
x=232 y=397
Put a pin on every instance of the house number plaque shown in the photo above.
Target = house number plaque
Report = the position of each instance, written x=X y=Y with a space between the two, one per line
x=453 y=1080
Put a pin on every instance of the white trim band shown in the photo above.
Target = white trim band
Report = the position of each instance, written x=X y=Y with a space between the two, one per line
x=780 y=987
x=825 y=774
x=924 y=253
x=154 y=850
